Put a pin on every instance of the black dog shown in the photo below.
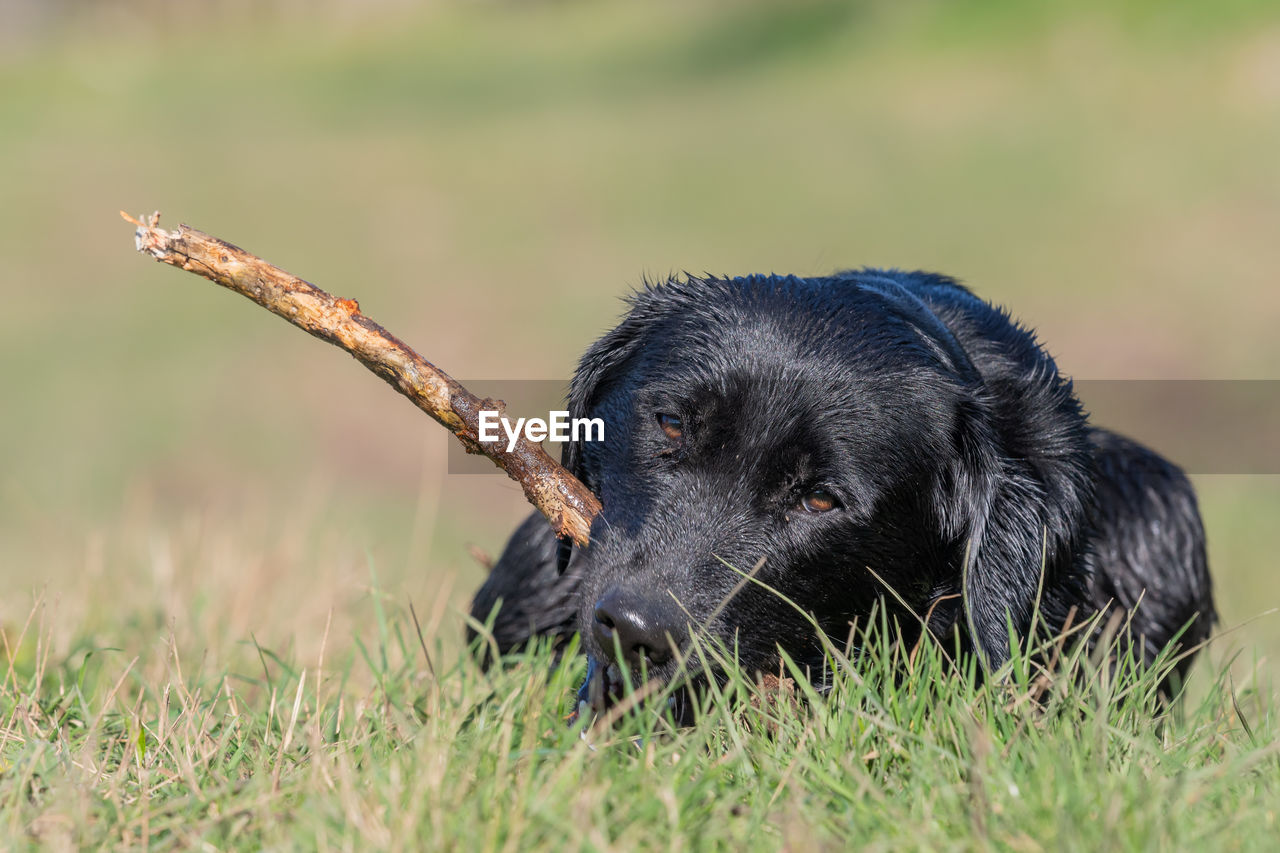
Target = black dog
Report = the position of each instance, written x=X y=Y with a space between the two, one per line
x=843 y=435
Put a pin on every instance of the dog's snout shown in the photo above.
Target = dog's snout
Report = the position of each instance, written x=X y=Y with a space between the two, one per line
x=636 y=627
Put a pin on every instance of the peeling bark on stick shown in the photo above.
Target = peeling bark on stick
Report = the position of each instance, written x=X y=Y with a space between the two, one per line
x=561 y=497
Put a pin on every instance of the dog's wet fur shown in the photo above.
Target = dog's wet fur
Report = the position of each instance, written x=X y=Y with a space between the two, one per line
x=873 y=439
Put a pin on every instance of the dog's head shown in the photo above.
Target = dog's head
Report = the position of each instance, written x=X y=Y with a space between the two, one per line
x=830 y=438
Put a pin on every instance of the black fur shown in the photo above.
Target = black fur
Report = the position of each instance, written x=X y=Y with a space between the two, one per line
x=965 y=472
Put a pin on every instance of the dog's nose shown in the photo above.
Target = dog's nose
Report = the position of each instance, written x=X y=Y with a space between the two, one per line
x=642 y=627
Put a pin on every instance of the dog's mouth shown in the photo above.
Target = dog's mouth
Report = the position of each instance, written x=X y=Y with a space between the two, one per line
x=600 y=698
x=600 y=692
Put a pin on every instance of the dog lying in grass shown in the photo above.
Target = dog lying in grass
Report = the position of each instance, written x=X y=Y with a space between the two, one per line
x=875 y=439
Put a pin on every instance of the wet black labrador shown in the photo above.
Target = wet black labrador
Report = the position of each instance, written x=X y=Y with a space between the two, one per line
x=842 y=435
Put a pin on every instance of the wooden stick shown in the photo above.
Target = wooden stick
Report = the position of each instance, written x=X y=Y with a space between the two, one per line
x=566 y=502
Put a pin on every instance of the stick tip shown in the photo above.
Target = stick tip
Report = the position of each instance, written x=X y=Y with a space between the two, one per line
x=145 y=222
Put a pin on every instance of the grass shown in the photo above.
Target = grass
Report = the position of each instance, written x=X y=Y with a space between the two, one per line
x=376 y=745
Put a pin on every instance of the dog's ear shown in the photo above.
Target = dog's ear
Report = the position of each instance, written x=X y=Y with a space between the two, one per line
x=1014 y=502
x=599 y=369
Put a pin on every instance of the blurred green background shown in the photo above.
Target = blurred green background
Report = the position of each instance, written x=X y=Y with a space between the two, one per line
x=488 y=178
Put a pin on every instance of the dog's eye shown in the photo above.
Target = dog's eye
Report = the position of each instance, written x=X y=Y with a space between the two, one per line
x=819 y=501
x=671 y=425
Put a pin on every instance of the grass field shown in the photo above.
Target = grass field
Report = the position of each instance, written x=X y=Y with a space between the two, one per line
x=212 y=527
x=177 y=753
